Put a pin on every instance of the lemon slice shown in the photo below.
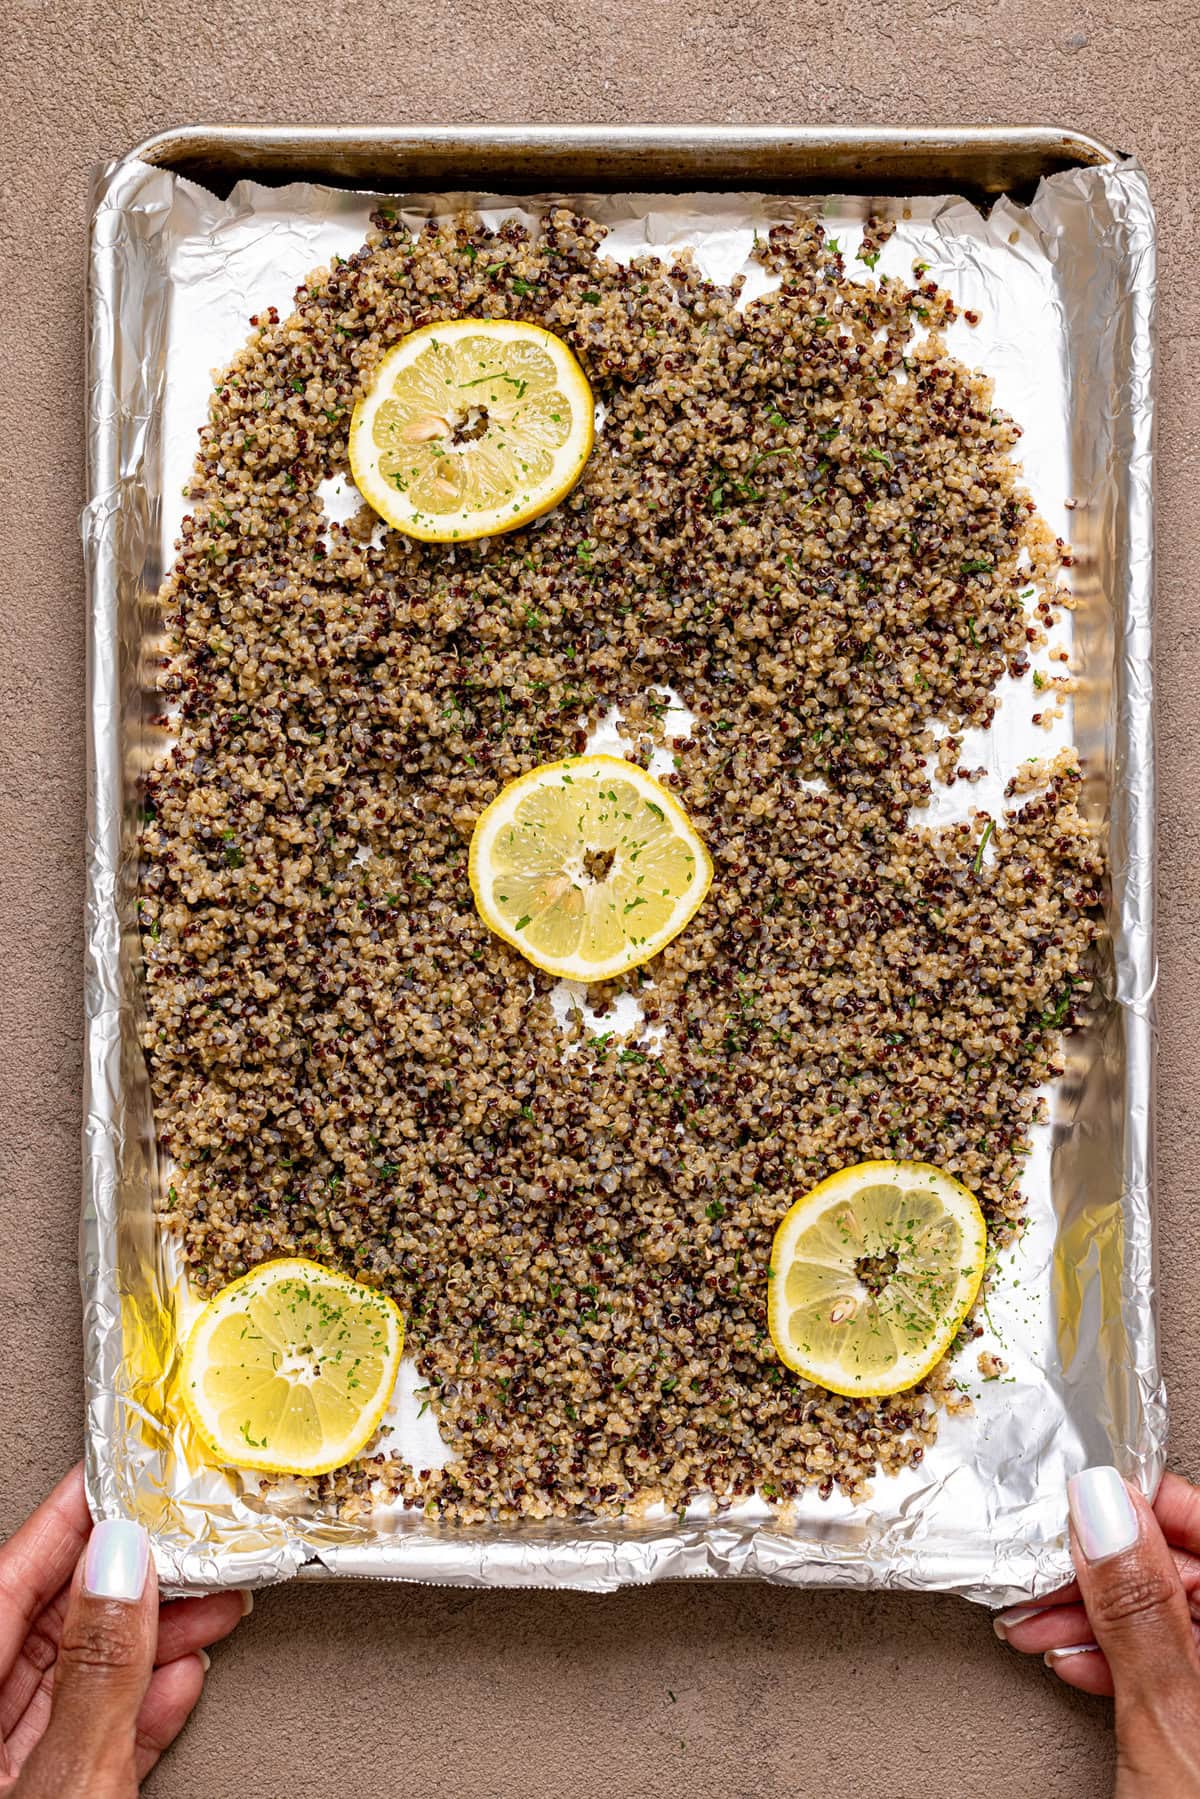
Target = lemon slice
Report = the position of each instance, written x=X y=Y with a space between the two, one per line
x=587 y=866
x=471 y=427
x=290 y=1368
x=871 y=1275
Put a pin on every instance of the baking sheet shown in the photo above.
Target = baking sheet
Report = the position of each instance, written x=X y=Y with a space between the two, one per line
x=1065 y=291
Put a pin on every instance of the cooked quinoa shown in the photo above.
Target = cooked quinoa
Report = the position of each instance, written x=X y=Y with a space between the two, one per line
x=802 y=517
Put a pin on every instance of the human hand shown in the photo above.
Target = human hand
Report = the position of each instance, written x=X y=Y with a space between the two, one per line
x=1128 y=1626
x=96 y=1677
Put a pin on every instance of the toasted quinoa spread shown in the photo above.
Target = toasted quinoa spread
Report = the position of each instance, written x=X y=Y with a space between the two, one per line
x=803 y=517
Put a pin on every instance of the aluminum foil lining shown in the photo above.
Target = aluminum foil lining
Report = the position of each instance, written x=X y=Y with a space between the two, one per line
x=1065 y=288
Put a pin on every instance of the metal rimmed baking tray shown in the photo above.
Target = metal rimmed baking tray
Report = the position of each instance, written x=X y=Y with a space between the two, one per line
x=1052 y=234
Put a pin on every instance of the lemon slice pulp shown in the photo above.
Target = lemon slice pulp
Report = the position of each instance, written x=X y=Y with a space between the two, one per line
x=871 y=1275
x=471 y=427
x=290 y=1368
x=587 y=866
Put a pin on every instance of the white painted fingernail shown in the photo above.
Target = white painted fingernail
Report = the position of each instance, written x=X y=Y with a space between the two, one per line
x=1016 y=1614
x=1053 y=1656
x=1102 y=1512
x=117 y=1560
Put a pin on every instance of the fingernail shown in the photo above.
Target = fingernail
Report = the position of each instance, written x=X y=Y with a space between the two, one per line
x=1053 y=1656
x=1102 y=1513
x=247 y=1602
x=1016 y=1614
x=117 y=1560
x=204 y=1658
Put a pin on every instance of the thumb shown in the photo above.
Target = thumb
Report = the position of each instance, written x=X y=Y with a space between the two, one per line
x=105 y=1660
x=1131 y=1588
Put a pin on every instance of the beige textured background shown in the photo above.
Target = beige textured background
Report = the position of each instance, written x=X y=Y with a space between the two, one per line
x=738 y=1691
